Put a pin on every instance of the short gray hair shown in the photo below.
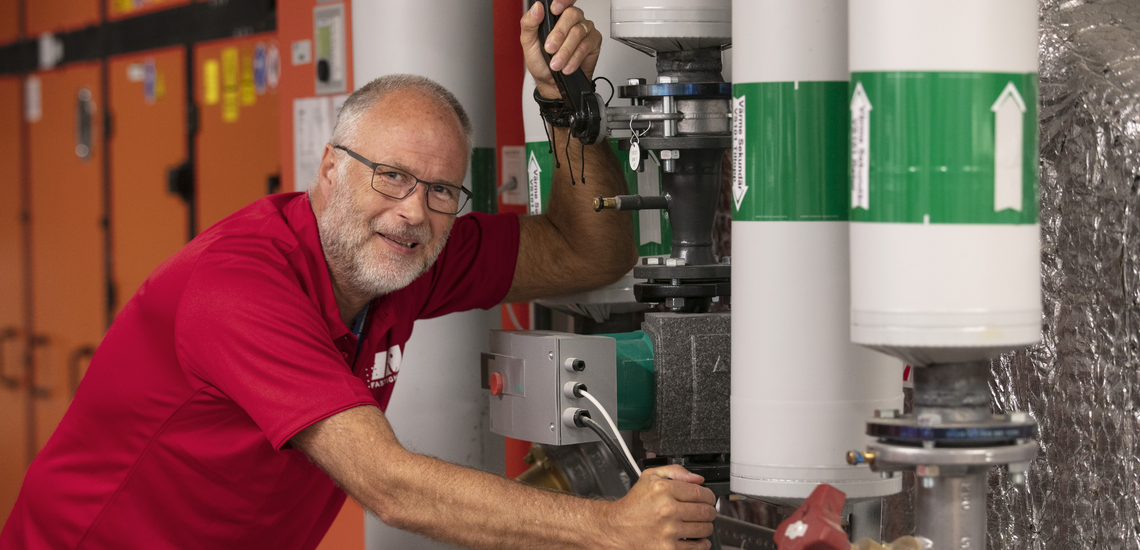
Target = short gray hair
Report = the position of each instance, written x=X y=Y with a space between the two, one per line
x=351 y=115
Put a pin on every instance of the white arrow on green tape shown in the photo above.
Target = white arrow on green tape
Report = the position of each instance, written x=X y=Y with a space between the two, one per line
x=534 y=183
x=860 y=148
x=1009 y=135
x=738 y=151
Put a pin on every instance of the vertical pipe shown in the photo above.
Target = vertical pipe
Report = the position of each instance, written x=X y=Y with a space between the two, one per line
x=945 y=251
x=951 y=511
x=800 y=390
x=438 y=406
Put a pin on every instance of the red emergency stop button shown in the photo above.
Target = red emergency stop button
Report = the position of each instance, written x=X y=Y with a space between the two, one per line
x=496 y=384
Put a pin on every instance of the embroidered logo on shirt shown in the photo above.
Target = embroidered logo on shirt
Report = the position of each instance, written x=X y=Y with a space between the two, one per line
x=391 y=361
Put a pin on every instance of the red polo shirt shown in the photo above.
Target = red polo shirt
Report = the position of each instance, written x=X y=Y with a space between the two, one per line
x=175 y=438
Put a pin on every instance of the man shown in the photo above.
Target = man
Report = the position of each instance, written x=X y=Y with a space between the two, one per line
x=239 y=395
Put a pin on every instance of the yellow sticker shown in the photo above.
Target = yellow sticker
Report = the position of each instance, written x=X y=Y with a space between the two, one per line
x=123 y=6
x=248 y=89
x=230 y=85
x=160 y=87
x=210 y=81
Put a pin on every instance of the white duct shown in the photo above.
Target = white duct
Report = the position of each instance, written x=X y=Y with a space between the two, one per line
x=438 y=407
x=945 y=252
x=801 y=391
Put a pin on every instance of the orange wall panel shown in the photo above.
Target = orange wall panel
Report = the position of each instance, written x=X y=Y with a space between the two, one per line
x=59 y=15
x=120 y=9
x=9 y=21
x=68 y=287
x=237 y=141
x=294 y=24
x=13 y=393
x=148 y=222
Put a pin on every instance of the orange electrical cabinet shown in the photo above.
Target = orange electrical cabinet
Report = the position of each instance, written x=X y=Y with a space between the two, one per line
x=148 y=112
x=67 y=234
x=235 y=88
x=119 y=9
x=9 y=21
x=55 y=16
x=13 y=390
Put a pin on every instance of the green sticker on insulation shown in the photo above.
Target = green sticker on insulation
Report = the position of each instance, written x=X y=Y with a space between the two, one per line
x=943 y=147
x=790 y=151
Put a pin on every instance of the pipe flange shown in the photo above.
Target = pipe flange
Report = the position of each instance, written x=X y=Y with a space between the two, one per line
x=680 y=142
x=682 y=272
x=686 y=90
x=912 y=429
x=888 y=456
x=649 y=292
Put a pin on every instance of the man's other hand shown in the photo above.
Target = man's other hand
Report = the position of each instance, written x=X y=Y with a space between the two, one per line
x=574 y=43
x=665 y=507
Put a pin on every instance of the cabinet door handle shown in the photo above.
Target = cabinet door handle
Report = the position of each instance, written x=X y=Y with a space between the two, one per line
x=7 y=380
x=77 y=357
x=38 y=391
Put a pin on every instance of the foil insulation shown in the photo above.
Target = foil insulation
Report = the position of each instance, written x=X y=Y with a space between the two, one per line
x=1082 y=383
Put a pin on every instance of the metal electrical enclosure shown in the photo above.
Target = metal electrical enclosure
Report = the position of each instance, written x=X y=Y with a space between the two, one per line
x=535 y=367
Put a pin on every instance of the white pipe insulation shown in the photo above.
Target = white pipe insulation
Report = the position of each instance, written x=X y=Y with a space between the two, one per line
x=945 y=246
x=801 y=391
x=438 y=407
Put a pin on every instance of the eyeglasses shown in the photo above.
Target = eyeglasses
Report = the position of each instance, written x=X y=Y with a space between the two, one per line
x=398 y=184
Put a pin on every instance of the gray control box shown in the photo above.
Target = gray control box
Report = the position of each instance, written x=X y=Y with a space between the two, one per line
x=529 y=373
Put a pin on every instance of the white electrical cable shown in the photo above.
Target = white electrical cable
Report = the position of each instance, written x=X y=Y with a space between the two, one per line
x=613 y=427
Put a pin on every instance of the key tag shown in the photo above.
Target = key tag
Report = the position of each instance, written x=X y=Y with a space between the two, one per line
x=634 y=147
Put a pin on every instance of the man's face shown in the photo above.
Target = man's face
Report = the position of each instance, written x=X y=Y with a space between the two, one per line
x=374 y=244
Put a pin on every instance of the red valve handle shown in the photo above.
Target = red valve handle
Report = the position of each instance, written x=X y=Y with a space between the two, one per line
x=816 y=524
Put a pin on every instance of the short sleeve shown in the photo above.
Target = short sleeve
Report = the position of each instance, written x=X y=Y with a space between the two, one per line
x=247 y=326
x=476 y=268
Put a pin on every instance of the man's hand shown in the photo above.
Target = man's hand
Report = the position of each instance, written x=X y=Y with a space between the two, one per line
x=574 y=44
x=665 y=507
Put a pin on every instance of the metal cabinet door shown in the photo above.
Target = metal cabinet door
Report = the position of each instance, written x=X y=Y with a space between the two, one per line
x=13 y=390
x=67 y=236
x=237 y=125
x=55 y=16
x=149 y=223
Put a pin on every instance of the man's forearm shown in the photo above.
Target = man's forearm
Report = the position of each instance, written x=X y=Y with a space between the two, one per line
x=444 y=501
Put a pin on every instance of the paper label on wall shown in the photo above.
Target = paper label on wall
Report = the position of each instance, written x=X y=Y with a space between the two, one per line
x=272 y=66
x=248 y=87
x=230 y=84
x=511 y=187
x=312 y=127
x=211 y=82
x=33 y=99
x=302 y=52
x=259 y=74
x=136 y=72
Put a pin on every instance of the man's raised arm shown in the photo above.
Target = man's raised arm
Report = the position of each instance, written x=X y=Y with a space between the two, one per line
x=571 y=248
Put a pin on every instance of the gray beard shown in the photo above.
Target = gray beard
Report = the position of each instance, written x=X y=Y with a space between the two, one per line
x=360 y=266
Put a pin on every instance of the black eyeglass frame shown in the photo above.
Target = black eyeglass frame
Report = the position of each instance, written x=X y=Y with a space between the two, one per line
x=374 y=165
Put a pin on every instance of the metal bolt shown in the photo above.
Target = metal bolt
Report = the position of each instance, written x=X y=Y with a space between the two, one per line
x=552 y=426
x=856 y=457
x=886 y=475
x=636 y=81
x=551 y=356
x=674 y=262
x=653 y=260
x=1018 y=417
x=666 y=80
x=715 y=299
x=726 y=260
x=887 y=413
x=928 y=482
x=674 y=303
